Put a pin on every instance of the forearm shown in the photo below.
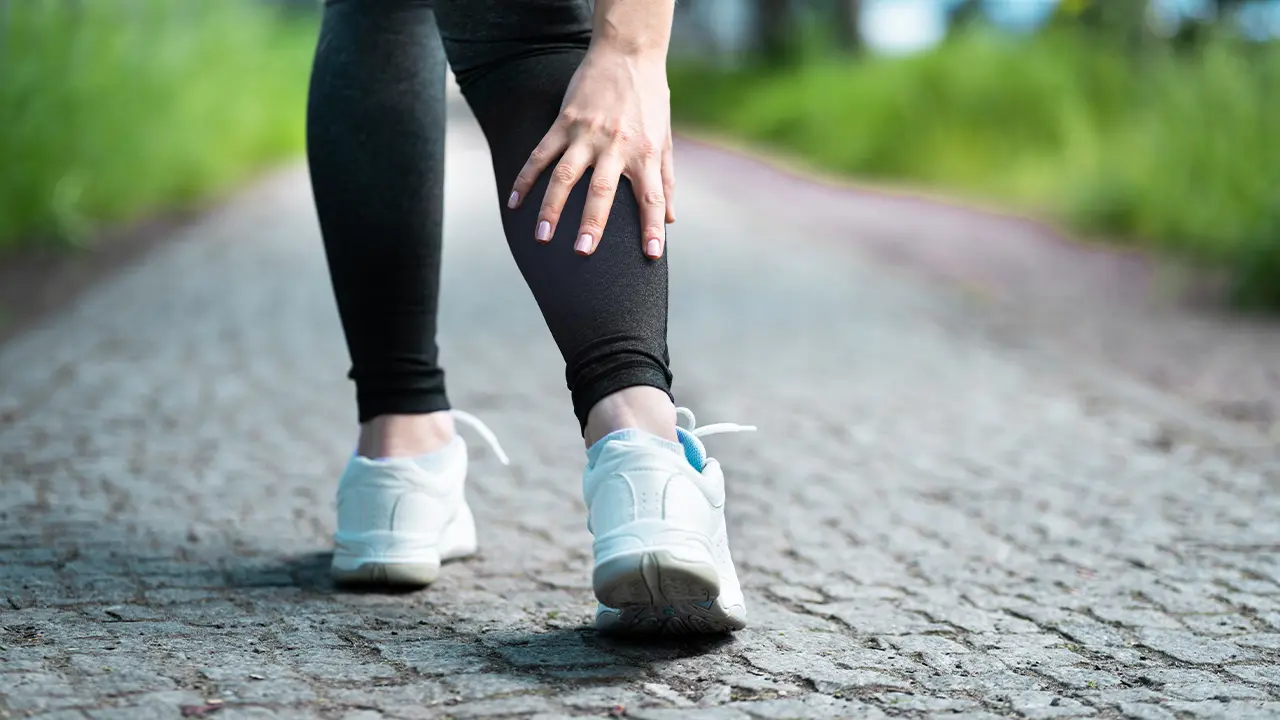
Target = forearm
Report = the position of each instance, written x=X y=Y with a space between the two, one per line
x=638 y=27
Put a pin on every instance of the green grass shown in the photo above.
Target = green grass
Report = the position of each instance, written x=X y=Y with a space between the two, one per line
x=1175 y=151
x=111 y=110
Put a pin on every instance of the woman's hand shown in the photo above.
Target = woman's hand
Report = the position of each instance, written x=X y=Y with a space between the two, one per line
x=615 y=118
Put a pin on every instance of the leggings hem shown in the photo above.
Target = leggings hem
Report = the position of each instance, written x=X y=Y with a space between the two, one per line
x=636 y=376
x=399 y=402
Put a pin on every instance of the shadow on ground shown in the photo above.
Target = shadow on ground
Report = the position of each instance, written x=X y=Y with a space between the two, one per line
x=248 y=615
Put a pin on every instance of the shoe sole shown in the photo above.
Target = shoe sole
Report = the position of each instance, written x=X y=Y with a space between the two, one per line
x=409 y=576
x=412 y=570
x=655 y=592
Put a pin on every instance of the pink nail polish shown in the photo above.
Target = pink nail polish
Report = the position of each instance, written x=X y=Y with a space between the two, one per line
x=515 y=198
x=583 y=246
x=654 y=249
x=544 y=232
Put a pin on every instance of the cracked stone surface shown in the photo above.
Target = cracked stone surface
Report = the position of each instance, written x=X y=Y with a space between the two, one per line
x=933 y=521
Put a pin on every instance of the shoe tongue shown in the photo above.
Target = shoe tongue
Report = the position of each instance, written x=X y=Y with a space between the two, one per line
x=694 y=451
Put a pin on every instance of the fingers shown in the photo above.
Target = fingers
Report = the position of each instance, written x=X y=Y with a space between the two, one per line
x=550 y=149
x=669 y=179
x=653 y=210
x=564 y=176
x=600 y=193
x=652 y=179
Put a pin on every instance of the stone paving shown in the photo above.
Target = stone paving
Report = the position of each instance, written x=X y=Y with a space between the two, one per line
x=933 y=521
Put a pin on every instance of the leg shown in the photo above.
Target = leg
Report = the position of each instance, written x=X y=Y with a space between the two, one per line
x=607 y=313
x=375 y=141
x=655 y=502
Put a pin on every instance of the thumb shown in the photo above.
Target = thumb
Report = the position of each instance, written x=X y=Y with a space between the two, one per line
x=669 y=178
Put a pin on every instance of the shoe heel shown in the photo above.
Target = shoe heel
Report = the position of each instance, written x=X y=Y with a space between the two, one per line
x=408 y=576
x=654 y=578
x=396 y=560
x=383 y=559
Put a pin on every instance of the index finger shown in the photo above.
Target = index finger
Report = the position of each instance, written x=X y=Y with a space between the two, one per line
x=565 y=175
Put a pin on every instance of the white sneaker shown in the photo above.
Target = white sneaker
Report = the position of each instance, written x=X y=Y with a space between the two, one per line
x=399 y=518
x=656 y=509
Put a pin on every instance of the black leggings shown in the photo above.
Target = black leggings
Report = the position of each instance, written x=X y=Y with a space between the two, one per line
x=375 y=142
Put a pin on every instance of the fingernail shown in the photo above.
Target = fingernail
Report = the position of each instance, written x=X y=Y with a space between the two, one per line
x=515 y=198
x=544 y=231
x=654 y=249
x=583 y=246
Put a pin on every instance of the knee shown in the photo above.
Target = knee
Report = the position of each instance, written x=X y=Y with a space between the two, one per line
x=484 y=36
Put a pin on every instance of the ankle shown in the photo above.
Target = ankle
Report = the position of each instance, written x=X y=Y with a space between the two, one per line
x=405 y=435
x=641 y=407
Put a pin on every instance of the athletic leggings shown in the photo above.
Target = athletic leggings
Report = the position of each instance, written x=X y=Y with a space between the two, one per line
x=375 y=143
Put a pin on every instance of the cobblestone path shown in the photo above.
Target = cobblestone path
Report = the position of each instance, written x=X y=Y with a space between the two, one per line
x=934 y=520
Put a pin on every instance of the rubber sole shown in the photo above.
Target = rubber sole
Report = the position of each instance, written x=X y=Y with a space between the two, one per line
x=390 y=575
x=655 y=592
x=398 y=562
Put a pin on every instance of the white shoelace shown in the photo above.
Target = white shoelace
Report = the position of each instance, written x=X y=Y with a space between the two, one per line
x=712 y=429
x=684 y=413
x=484 y=432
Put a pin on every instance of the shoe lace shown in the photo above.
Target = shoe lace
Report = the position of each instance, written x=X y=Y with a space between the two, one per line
x=484 y=432
x=712 y=429
x=682 y=413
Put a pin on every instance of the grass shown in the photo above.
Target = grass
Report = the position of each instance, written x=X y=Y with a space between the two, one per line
x=1172 y=150
x=113 y=110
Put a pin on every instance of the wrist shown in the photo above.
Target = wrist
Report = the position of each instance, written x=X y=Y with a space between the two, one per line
x=636 y=28
x=649 y=50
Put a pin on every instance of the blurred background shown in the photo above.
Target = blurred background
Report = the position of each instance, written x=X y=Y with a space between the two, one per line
x=1149 y=123
x=1140 y=122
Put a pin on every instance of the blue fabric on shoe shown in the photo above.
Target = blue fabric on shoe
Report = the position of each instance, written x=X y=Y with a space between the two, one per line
x=694 y=451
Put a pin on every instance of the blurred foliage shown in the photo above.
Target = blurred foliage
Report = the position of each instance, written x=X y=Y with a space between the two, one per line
x=109 y=110
x=789 y=32
x=1175 y=147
